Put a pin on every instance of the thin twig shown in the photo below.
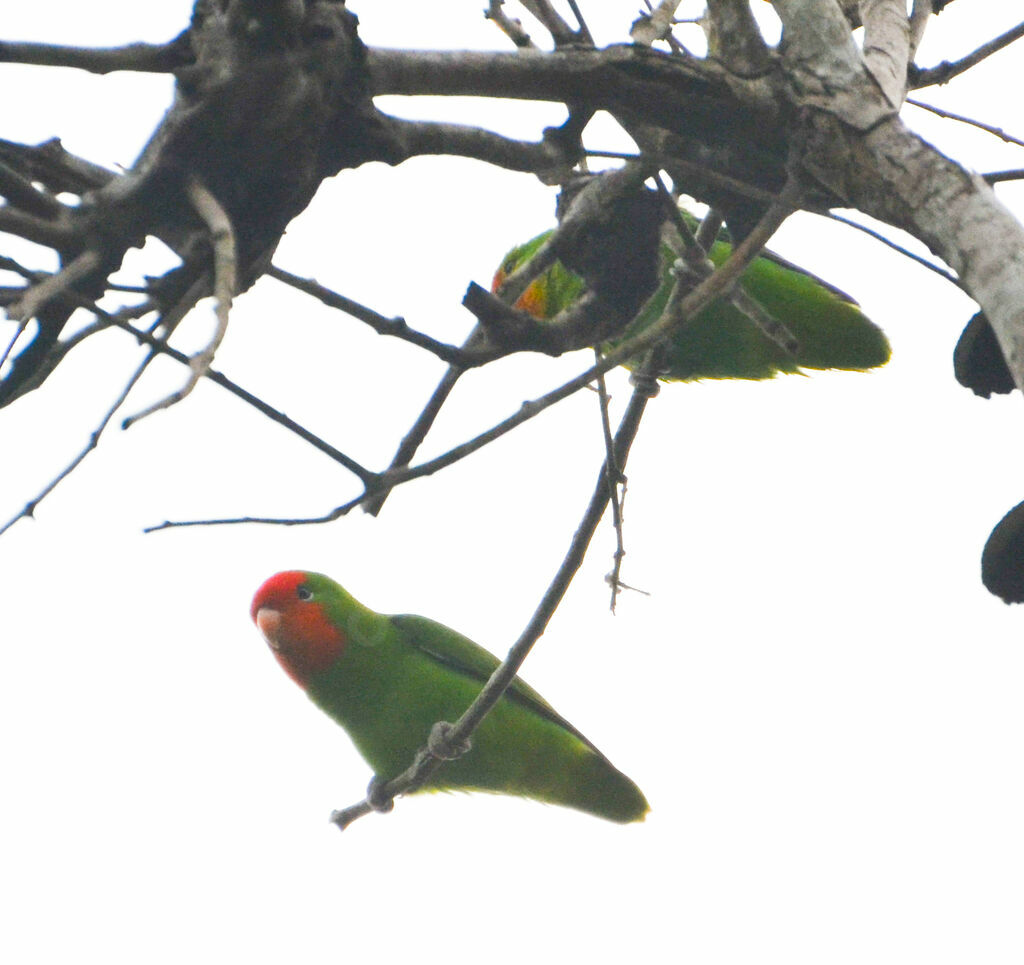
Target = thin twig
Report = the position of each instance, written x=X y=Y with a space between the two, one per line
x=616 y=478
x=994 y=177
x=906 y=252
x=679 y=309
x=365 y=476
x=987 y=128
x=22 y=193
x=657 y=25
x=225 y=272
x=54 y=286
x=511 y=288
x=697 y=263
x=584 y=34
x=396 y=327
x=510 y=27
x=412 y=440
x=947 y=70
x=30 y=507
x=553 y=23
x=5 y=355
x=453 y=736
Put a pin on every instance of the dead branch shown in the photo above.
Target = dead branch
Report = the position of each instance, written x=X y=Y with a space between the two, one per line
x=679 y=309
x=943 y=73
x=970 y=121
x=147 y=58
x=394 y=327
x=510 y=27
x=222 y=236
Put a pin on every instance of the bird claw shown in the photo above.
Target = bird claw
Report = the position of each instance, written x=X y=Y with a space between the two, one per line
x=380 y=802
x=441 y=745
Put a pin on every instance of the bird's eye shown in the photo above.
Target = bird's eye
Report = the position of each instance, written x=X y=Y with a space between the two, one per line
x=304 y=593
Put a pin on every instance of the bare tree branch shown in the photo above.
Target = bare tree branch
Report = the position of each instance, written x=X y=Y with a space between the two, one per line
x=943 y=73
x=735 y=39
x=225 y=280
x=680 y=308
x=395 y=327
x=546 y=158
x=886 y=46
x=950 y=115
x=657 y=25
x=29 y=509
x=551 y=20
x=860 y=148
x=511 y=28
x=889 y=243
x=147 y=58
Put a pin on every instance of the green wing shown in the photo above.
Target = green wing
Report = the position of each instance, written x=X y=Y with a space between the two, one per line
x=721 y=342
x=454 y=652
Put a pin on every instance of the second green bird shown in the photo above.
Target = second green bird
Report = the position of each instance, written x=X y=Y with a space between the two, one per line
x=722 y=342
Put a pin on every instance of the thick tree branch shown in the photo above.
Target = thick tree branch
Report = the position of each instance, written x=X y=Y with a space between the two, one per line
x=735 y=39
x=546 y=158
x=860 y=150
x=887 y=45
x=147 y=58
x=680 y=93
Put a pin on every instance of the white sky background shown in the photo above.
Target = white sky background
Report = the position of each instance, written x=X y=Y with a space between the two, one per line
x=820 y=700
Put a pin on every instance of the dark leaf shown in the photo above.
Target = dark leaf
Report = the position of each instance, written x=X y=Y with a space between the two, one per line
x=978 y=362
x=1002 y=559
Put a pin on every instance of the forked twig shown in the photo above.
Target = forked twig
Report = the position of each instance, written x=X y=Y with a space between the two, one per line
x=29 y=509
x=396 y=327
x=947 y=70
x=53 y=286
x=225 y=273
x=616 y=480
x=680 y=308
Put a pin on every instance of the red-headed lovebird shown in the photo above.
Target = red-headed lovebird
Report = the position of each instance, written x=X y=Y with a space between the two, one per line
x=388 y=679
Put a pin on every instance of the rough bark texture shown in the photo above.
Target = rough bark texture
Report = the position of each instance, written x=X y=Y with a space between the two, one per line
x=273 y=96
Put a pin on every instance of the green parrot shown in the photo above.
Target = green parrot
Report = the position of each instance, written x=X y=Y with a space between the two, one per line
x=722 y=342
x=388 y=679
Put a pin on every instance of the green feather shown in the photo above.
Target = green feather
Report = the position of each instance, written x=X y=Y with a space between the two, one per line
x=398 y=675
x=723 y=343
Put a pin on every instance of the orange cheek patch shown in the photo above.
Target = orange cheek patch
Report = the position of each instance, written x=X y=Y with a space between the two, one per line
x=304 y=641
x=533 y=301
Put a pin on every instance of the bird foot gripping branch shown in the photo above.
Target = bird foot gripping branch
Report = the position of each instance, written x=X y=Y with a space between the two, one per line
x=377 y=797
x=441 y=745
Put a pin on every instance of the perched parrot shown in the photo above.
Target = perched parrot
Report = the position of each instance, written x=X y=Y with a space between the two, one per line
x=388 y=679
x=721 y=342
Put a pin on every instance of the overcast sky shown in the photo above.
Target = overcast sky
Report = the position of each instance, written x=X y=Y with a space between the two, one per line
x=818 y=697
